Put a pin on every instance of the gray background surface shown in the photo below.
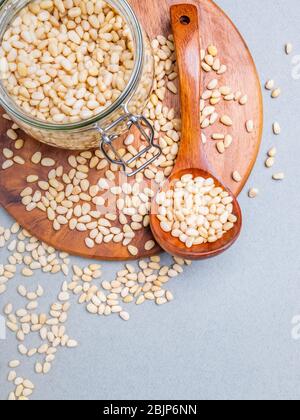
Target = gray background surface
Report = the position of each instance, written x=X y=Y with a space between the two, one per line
x=227 y=335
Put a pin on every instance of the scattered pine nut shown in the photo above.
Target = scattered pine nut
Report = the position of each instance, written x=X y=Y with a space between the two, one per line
x=236 y=176
x=212 y=50
x=133 y=250
x=270 y=85
x=276 y=93
x=221 y=147
x=26 y=272
x=270 y=162
x=7 y=153
x=217 y=136
x=72 y=343
x=212 y=84
x=12 y=134
x=226 y=120
x=14 y=364
x=276 y=128
x=32 y=178
x=243 y=100
x=228 y=141
x=206 y=67
x=19 y=160
x=288 y=48
x=222 y=69
x=272 y=152
x=238 y=95
x=36 y=158
x=7 y=164
x=47 y=162
x=149 y=245
x=253 y=193
x=124 y=315
x=250 y=126
x=279 y=176
x=19 y=144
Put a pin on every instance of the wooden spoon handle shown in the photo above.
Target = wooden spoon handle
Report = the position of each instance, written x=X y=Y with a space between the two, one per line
x=185 y=24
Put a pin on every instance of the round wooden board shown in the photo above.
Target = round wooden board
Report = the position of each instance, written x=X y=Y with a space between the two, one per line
x=216 y=28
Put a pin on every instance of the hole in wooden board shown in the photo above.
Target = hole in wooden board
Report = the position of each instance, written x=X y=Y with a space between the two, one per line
x=185 y=20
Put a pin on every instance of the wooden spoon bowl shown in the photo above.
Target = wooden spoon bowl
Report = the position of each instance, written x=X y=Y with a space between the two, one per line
x=177 y=248
x=192 y=155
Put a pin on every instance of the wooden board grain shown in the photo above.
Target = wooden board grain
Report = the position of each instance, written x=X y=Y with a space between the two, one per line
x=217 y=29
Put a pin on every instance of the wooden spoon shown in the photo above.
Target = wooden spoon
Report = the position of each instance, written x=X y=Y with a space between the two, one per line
x=192 y=156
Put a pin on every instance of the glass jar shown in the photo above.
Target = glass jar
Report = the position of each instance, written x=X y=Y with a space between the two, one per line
x=103 y=129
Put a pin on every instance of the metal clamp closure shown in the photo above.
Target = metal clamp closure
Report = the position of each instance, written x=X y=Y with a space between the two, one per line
x=107 y=141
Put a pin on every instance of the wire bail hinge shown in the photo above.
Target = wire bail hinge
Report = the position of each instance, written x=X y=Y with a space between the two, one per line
x=140 y=122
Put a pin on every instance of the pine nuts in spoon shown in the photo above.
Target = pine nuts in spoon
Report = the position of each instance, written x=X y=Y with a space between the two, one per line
x=195 y=211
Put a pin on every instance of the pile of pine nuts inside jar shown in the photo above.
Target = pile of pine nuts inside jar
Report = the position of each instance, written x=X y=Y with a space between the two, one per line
x=66 y=61
x=196 y=211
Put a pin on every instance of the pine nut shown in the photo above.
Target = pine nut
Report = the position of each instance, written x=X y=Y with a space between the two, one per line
x=221 y=147
x=272 y=152
x=253 y=193
x=276 y=128
x=236 y=176
x=187 y=213
x=47 y=162
x=133 y=250
x=276 y=93
x=270 y=162
x=243 y=100
x=250 y=126
x=288 y=48
x=227 y=121
x=149 y=245
x=270 y=85
x=279 y=176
